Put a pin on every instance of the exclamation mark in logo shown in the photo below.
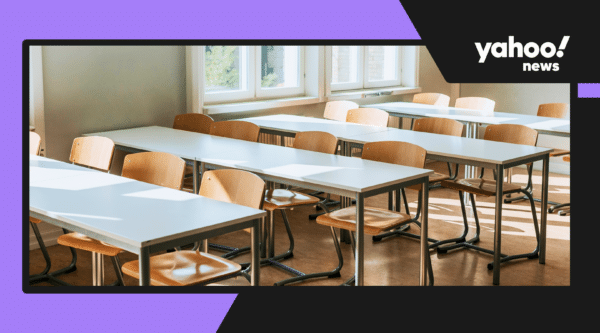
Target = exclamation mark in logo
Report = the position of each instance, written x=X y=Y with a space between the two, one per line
x=562 y=46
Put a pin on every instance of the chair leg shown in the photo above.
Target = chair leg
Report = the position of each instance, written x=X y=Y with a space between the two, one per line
x=534 y=254
x=469 y=243
x=330 y=274
x=117 y=266
x=401 y=230
x=461 y=241
x=555 y=207
x=564 y=212
x=40 y=241
x=529 y=189
x=51 y=277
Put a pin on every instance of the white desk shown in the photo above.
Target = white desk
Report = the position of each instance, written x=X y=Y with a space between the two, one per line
x=488 y=154
x=336 y=174
x=289 y=125
x=544 y=125
x=138 y=217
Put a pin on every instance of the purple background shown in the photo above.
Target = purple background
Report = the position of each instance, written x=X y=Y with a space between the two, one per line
x=175 y=19
x=588 y=90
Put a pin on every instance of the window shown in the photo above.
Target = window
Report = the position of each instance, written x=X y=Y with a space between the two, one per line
x=242 y=73
x=360 y=67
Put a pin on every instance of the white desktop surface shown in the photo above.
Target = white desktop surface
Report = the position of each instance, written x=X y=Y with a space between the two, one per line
x=474 y=150
x=128 y=213
x=294 y=124
x=545 y=125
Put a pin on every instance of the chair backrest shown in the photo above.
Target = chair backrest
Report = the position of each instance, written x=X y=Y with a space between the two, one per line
x=193 y=122
x=321 y=142
x=234 y=186
x=35 y=141
x=432 y=99
x=93 y=151
x=553 y=110
x=401 y=153
x=439 y=126
x=156 y=168
x=235 y=129
x=368 y=116
x=511 y=133
x=337 y=110
x=475 y=103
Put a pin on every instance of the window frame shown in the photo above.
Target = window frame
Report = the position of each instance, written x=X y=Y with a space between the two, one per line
x=250 y=58
x=362 y=72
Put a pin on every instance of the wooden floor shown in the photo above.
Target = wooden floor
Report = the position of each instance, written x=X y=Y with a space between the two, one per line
x=395 y=261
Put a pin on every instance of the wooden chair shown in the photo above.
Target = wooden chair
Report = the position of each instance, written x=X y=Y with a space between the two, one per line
x=281 y=199
x=337 y=110
x=94 y=152
x=430 y=99
x=157 y=168
x=377 y=220
x=228 y=185
x=236 y=129
x=552 y=110
x=475 y=103
x=192 y=122
x=566 y=158
x=438 y=126
x=510 y=133
x=368 y=116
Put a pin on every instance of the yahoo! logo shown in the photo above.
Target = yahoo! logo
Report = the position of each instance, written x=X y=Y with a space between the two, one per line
x=514 y=49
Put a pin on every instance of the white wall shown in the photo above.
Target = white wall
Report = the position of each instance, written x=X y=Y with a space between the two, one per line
x=98 y=88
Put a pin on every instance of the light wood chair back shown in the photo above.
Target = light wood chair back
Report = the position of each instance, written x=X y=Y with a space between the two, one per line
x=511 y=133
x=234 y=186
x=337 y=110
x=432 y=99
x=35 y=141
x=321 y=142
x=193 y=122
x=553 y=110
x=475 y=103
x=402 y=153
x=156 y=168
x=235 y=129
x=368 y=116
x=439 y=126
x=93 y=151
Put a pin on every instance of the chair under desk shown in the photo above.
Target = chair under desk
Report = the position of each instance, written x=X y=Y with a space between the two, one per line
x=544 y=125
x=124 y=212
x=335 y=174
x=487 y=154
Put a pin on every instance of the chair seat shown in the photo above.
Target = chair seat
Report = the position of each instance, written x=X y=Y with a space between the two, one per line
x=560 y=152
x=437 y=177
x=377 y=220
x=285 y=198
x=82 y=242
x=480 y=186
x=34 y=220
x=184 y=268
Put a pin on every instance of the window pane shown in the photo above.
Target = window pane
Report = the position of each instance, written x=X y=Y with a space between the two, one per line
x=344 y=62
x=222 y=68
x=382 y=63
x=279 y=66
